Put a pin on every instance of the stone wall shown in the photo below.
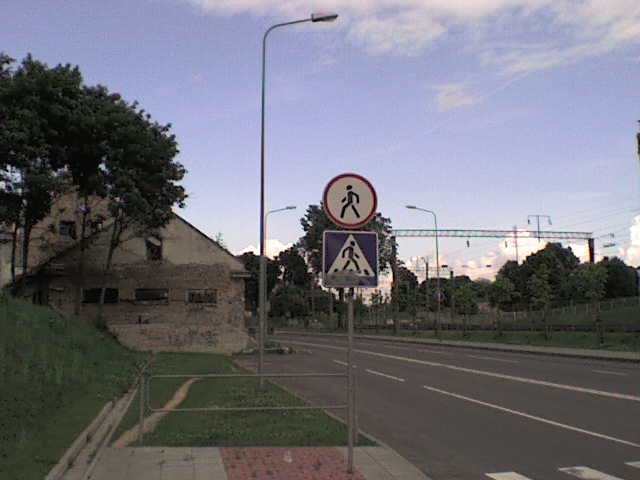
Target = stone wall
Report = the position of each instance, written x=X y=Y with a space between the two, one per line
x=182 y=338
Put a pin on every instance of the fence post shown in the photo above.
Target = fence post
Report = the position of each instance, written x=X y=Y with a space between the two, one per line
x=141 y=420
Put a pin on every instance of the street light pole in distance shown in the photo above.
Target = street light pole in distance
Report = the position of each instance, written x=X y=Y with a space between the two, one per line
x=435 y=222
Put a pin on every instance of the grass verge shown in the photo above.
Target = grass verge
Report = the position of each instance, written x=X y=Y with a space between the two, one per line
x=56 y=373
x=271 y=428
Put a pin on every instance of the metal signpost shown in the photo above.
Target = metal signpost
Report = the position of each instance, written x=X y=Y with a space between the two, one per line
x=350 y=260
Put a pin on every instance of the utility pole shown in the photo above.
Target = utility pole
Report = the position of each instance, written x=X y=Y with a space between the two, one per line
x=538 y=216
x=515 y=237
x=452 y=290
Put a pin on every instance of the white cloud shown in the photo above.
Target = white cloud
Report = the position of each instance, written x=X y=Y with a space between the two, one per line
x=452 y=95
x=274 y=247
x=631 y=254
x=575 y=29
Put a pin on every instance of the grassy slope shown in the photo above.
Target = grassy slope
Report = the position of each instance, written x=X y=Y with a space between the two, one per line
x=281 y=428
x=56 y=373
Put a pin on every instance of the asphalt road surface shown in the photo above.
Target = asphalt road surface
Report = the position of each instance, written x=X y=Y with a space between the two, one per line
x=469 y=414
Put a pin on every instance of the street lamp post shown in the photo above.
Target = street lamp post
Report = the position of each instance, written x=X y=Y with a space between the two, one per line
x=315 y=17
x=262 y=301
x=435 y=222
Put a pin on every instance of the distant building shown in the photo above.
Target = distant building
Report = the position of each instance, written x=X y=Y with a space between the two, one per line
x=175 y=289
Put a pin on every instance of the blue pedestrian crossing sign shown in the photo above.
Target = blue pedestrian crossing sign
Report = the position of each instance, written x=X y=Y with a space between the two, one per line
x=349 y=259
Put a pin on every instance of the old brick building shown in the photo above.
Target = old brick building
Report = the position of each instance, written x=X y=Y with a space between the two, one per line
x=174 y=290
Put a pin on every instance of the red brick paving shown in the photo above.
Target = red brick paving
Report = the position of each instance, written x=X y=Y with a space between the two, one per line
x=283 y=463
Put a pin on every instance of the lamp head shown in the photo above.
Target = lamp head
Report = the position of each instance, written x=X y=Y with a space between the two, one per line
x=290 y=207
x=412 y=207
x=323 y=17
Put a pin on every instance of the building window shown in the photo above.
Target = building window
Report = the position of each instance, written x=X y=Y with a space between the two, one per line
x=92 y=295
x=202 y=296
x=68 y=228
x=154 y=248
x=156 y=295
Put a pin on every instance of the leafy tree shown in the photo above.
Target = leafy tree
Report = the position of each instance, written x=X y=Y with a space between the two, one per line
x=588 y=282
x=404 y=295
x=37 y=105
x=466 y=298
x=288 y=302
x=621 y=278
x=252 y=264
x=294 y=268
x=501 y=292
x=540 y=289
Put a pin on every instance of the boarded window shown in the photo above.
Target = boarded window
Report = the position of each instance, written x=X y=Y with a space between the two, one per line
x=202 y=296
x=68 y=228
x=156 y=295
x=92 y=295
x=154 y=248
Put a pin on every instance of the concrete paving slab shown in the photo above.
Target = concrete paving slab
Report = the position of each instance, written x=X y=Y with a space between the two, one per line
x=206 y=463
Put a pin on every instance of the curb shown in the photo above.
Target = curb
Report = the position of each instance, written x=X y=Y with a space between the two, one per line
x=69 y=457
x=613 y=356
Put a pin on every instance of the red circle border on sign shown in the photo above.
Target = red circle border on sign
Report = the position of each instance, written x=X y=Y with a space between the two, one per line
x=335 y=220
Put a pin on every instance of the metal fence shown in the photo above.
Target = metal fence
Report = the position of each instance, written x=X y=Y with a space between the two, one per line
x=349 y=406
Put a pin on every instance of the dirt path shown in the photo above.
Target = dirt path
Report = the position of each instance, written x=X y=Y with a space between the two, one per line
x=151 y=422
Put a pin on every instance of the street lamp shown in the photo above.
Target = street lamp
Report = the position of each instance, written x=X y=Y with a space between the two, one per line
x=315 y=17
x=435 y=222
x=263 y=290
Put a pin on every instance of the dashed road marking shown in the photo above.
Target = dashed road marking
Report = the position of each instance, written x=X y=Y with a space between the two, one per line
x=609 y=372
x=344 y=364
x=507 y=476
x=633 y=464
x=533 y=417
x=586 y=473
x=481 y=357
x=532 y=381
x=386 y=375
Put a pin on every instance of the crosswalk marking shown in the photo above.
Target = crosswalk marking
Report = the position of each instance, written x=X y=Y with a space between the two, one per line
x=586 y=473
x=634 y=464
x=507 y=476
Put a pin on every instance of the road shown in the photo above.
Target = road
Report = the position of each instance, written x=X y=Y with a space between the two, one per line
x=462 y=414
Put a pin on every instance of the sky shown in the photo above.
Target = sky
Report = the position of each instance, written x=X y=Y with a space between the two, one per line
x=484 y=111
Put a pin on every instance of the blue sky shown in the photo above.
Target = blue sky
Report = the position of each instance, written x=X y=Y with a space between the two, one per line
x=485 y=111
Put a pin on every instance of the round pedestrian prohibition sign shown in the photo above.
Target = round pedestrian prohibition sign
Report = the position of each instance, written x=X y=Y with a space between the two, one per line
x=350 y=200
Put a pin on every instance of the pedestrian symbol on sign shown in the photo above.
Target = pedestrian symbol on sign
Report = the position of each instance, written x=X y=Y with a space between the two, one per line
x=349 y=198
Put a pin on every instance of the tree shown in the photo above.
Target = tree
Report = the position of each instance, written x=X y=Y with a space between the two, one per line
x=252 y=263
x=621 y=278
x=288 y=302
x=540 y=293
x=466 y=298
x=293 y=267
x=501 y=292
x=404 y=295
x=37 y=105
x=588 y=282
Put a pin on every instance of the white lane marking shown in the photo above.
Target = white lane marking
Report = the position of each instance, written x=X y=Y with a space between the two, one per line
x=533 y=417
x=414 y=349
x=397 y=379
x=633 y=464
x=586 y=473
x=609 y=372
x=344 y=364
x=573 y=388
x=480 y=357
x=507 y=476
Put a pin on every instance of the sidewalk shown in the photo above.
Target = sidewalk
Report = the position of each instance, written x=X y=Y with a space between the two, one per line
x=498 y=347
x=257 y=463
